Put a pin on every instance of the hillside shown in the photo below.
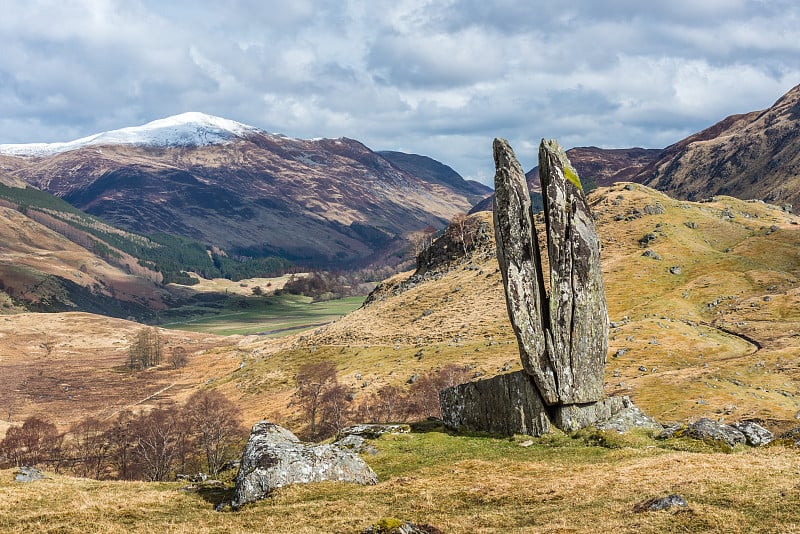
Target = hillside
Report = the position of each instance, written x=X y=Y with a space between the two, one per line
x=435 y=172
x=68 y=366
x=702 y=325
x=755 y=155
x=326 y=202
x=703 y=299
x=42 y=270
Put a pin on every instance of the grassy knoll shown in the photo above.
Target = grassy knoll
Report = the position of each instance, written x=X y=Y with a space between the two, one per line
x=558 y=483
x=270 y=315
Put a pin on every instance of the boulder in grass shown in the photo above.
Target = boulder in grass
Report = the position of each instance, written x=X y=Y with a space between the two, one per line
x=274 y=457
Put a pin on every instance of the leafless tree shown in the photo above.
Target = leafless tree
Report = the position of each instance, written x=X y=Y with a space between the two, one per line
x=146 y=349
x=179 y=357
x=313 y=381
x=158 y=437
x=89 y=448
x=214 y=423
x=462 y=230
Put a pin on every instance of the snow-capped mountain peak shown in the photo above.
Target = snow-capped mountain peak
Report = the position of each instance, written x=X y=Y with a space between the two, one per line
x=184 y=130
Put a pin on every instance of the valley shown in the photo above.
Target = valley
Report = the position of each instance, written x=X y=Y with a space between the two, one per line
x=703 y=294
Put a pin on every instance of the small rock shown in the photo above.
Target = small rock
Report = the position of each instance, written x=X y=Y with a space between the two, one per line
x=374 y=431
x=356 y=444
x=395 y=526
x=708 y=430
x=642 y=368
x=526 y=443
x=413 y=378
x=651 y=254
x=675 y=269
x=767 y=298
x=755 y=434
x=28 y=474
x=656 y=209
x=646 y=239
x=660 y=503
x=690 y=224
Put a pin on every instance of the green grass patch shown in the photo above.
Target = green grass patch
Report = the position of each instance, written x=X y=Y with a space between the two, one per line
x=271 y=316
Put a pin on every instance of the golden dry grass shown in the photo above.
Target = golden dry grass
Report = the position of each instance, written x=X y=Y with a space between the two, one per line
x=458 y=484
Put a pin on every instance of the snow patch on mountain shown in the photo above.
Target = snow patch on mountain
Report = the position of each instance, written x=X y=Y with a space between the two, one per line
x=185 y=130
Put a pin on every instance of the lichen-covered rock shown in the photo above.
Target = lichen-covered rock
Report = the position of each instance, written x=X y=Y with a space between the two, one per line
x=572 y=417
x=756 y=435
x=28 y=474
x=660 y=503
x=521 y=266
x=562 y=339
x=374 y=430
x=627 y=418
x=274 y=457
x=506 y=404
x=708 y=430
x=578 y=315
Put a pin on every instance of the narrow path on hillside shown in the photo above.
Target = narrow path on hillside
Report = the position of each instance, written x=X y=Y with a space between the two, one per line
x=754 y=343
x=157 y=393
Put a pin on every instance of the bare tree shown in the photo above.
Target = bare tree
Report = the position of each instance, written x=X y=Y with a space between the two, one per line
x=89 y=447
x=34 y=442
x=146 y=349
x=214 y=422
x=313 y=380
x=336 y=408
x=158 y=436
x=425 y=391
x=179 y=357
x=462 y=230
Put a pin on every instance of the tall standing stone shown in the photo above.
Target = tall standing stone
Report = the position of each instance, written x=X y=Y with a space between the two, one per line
x=563 y=336
x=577 y=334
x=521 y=265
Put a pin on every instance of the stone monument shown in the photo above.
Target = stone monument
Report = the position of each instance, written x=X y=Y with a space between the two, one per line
x=562 y=334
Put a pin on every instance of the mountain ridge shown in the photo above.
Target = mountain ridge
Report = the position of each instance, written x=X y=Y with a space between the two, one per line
x=322 y=202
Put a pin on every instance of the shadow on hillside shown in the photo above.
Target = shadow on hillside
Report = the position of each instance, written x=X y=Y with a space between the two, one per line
x=216 y=495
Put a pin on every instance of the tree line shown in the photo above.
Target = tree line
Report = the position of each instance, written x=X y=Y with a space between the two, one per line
x=203 y=435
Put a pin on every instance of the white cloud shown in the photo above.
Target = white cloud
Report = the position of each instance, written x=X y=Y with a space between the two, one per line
x=440 y=78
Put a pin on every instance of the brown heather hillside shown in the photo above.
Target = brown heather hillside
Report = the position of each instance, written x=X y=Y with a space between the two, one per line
x=67 y=366
x=719 y=338
x=42 y=267
x=753 y=155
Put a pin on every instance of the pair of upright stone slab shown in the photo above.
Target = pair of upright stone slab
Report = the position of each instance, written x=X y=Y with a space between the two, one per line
x=563 y=335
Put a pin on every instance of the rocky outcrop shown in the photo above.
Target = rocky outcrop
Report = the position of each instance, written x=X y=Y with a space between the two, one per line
x=274 y=457
x=578 y=315
x=562 y=338
x=755 y=434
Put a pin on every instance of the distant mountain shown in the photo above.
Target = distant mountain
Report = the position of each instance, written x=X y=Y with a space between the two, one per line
x=435 y=172
x=596 y=167
x=750 y=156
x=326 y=202
x=190 y=129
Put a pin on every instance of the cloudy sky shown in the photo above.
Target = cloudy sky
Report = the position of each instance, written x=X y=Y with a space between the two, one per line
x=440 y=78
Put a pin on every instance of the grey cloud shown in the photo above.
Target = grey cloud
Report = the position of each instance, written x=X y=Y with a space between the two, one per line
x=438 y=78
